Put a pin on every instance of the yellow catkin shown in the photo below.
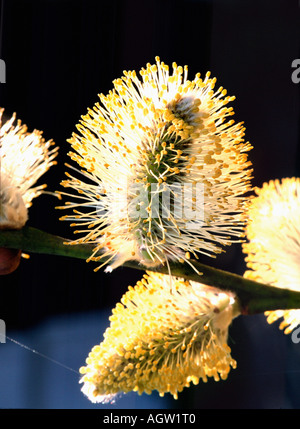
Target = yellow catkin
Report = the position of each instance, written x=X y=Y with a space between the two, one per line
x=25 y=157
x=159 y=129
x=165 y=334
x=273 y=246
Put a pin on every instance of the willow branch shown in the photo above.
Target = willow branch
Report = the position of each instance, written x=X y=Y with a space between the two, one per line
x=253 y=297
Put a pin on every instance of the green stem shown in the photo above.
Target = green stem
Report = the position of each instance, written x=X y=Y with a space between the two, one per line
x=33 y=240
x=254 y=297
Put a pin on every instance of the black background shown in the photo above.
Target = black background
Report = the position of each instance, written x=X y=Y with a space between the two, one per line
x=60 y=54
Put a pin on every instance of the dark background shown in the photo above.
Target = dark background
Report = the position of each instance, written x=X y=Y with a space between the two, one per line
x=59 y=55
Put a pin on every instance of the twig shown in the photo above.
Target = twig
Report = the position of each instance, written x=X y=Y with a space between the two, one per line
x=253 y=297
